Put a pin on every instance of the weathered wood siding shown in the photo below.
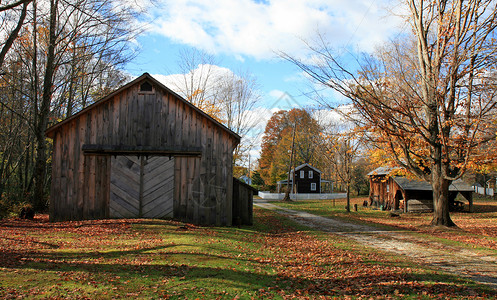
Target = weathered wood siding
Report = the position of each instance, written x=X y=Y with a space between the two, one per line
x=158 y=119
x=243 y=203
x=141 y=187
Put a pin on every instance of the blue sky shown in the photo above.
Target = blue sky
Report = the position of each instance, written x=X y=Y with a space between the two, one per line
x=246 y=34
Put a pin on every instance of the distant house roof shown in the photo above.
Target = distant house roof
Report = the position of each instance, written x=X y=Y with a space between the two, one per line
x=308 y=165
x=421 y=185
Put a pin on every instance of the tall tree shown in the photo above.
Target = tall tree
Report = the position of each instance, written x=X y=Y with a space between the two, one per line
x=69 y=57
x=236 y=95
x=197 y=79
x=225 y=95
x=41 y=114
x=278 y=139
x=343 y=147
x=428 y=97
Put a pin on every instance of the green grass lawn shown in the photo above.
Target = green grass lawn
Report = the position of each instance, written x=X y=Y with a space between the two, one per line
x=475 y=230
x=157 y=259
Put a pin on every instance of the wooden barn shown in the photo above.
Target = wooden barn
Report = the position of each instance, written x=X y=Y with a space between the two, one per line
x=143 y=152
x=392 y=192
x=307 y=180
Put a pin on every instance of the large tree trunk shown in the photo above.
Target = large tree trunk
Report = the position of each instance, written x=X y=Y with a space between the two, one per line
x=441 y=212
x=348 y=197
x=42 y=118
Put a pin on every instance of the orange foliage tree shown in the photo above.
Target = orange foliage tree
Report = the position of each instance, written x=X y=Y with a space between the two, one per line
x=428 y=98
x=277 y=143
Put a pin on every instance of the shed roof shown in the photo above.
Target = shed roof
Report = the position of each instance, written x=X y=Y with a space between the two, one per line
x=144 y=76
x=421 y=185
x=385 y=170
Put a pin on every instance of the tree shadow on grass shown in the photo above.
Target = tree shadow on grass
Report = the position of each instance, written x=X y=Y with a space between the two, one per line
x=261 y=282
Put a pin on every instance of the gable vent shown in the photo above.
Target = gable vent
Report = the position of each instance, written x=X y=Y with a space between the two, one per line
x=146 y=87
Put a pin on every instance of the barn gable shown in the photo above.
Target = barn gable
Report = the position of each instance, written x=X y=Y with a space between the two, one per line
x=140 y=142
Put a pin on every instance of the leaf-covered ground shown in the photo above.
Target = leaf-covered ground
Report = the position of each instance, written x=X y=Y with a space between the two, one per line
x=477 y=229
x=164 y=259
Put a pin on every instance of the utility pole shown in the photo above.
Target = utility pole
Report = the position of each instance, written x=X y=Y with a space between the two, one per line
x=249 y=176
x=287 y=193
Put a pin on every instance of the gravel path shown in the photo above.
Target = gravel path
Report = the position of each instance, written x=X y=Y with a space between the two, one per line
x=461 y=262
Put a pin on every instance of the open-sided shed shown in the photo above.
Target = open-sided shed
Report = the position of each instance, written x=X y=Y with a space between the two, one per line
x=398 y=192
x=142 y=151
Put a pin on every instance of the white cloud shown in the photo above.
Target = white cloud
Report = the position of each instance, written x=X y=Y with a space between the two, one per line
x=276 y=94
x=257 y=29
x=176 y=82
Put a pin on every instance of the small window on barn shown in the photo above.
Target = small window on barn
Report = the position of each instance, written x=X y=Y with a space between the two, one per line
x=310 y=174
x=301 y=174
x=146 y=87
x=313 y=186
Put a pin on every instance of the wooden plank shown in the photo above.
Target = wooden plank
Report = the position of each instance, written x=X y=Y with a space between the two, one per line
x=157 y=126
x=195 y=190
x=70 y=187
x=218 y=178
x=110 y=122
x=152 y=183
x=116 y=120
x=179 y=123
x=76 y=156
x=104 y=187
x=54 y=204
x=171 y=126
x=184 y=186
x=190 y=204
x=147 y=119
x=186 y=136
x=91 y=188
x=204 y=215
x=81 y=170
x=124 y=199
x=120 y=137
x=140 y=150
x=163 y=124
x=158 y=194
x=97 y=209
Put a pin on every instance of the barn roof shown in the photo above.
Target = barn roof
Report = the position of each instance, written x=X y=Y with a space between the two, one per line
x=144 y=76
x=421 y=185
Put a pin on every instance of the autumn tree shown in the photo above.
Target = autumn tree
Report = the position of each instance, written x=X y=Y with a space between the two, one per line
x=67 y=54
x=428 y=97
x=343 y=145
x=277 y=143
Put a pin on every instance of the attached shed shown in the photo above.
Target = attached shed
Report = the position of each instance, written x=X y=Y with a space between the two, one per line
x=411 y=195
x=142 y=151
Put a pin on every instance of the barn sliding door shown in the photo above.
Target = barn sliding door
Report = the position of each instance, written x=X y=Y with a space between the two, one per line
x=141 y=187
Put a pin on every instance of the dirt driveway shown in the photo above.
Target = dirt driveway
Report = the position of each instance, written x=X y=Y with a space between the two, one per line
x=462 y=262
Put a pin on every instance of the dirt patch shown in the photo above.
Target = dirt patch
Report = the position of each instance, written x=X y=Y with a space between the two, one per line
x=462 y=262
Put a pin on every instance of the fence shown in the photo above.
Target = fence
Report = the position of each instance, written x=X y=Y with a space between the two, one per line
x=481 y=191
x=280 y=196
